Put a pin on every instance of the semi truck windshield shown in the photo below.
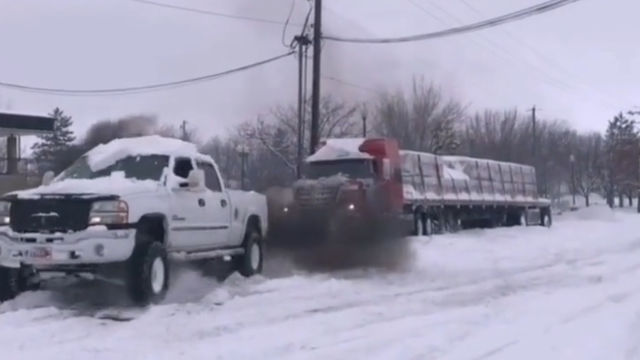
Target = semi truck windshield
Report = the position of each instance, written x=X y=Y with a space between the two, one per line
x=353 y=169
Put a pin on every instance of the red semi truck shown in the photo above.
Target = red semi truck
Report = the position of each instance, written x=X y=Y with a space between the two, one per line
x=371 y=184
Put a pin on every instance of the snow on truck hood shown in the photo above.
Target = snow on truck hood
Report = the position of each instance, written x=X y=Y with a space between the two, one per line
x=106 y=154
x=110 y=185
x=336 y=149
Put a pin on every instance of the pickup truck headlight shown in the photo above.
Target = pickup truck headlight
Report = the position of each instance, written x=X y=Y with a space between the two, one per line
x=109 y=212
x=5 y=211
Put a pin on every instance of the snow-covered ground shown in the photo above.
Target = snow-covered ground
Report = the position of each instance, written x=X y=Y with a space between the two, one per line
x=569 y=292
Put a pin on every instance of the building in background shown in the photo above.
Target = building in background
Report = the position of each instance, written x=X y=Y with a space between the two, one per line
x=16 y=172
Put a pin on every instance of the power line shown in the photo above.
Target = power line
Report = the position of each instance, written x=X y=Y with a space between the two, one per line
x=517 y=15
x=607 y=97
x=350 y=84
x=286 y=25
x=142 y=88
x=212 y=13
x=546 y=76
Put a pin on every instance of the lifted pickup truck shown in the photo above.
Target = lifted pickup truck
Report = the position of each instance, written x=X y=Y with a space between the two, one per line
x=124 y=209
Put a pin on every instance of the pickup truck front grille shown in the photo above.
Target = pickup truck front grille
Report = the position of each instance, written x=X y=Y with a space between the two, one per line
x=317 y=197
x=49 y=215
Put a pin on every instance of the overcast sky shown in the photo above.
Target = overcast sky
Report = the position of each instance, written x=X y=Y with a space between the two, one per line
x=578 y=63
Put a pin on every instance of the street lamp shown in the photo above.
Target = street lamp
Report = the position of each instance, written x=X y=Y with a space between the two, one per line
x=243 y=150
x=572 y=160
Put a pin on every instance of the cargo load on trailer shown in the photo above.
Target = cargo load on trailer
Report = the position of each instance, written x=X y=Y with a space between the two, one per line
x=371 y=187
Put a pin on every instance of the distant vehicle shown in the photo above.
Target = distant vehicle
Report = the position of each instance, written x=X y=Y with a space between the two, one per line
x=126 y=208
x=372 y=184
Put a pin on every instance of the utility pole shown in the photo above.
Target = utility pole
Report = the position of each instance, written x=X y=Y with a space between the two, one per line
x=315 y=96
x=183 y=127
x=533 y=133
x=244 y=154
x=572 y=160
x=364 y=125
x=303 y=41
x=364 y=120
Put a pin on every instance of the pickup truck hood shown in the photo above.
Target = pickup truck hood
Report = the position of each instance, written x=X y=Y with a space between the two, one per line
x=89 y=188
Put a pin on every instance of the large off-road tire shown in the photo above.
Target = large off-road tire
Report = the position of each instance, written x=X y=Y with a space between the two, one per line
x=148 y=273
x=250 y=263
x=9 y=283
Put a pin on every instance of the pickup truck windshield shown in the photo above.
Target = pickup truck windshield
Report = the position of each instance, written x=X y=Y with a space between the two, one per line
x=147 y=167
x=354 y=169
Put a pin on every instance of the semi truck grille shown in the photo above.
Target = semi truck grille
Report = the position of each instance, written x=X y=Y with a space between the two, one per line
x=316 y=197
x=49 y=215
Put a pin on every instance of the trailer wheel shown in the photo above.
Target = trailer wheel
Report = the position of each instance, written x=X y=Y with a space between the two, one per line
x=523 y=219
x=428 y=226
x=454 y=224
x=417 y=224
x=546 y=220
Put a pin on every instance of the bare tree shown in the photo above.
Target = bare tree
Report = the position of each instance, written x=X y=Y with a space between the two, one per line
x=589 y=166
x=422 y=121
x=278 y=132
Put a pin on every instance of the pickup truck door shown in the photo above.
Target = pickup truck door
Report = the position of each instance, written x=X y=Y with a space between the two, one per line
x=189 y=223
x=218 y=208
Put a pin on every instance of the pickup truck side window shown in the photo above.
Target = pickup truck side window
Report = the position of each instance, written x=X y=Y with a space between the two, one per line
x=212 y=181
x=182 y=167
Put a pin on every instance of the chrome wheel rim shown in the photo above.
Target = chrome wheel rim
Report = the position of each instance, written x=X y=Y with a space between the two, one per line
x=157 y=275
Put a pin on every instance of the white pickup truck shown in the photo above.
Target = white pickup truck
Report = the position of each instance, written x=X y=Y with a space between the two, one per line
x=124 y=209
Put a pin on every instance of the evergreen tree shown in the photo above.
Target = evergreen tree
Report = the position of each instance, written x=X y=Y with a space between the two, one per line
x=54 y=145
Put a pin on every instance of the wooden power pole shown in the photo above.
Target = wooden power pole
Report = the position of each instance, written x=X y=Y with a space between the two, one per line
x=315 y=95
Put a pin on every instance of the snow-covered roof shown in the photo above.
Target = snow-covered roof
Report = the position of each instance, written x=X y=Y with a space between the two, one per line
x=337 y=149
x=106 y=154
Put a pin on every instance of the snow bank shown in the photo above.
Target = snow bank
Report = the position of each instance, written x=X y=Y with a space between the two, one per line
x=336 y=149
x=106 y=154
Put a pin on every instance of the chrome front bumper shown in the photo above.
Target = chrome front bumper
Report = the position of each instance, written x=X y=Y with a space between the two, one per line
x=79 y=248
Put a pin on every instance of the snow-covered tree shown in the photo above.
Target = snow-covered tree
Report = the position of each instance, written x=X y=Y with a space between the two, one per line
x=52 y=146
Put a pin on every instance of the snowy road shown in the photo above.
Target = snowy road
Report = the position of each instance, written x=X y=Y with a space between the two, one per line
x=570 y=292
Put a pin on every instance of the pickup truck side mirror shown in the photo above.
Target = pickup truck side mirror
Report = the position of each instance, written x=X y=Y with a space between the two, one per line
x=196 y=179
x=47 y=178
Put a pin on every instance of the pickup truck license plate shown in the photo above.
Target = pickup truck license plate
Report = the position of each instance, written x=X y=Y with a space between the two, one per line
x=39 y=252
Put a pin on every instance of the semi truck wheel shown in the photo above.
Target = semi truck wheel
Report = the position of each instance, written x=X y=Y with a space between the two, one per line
x=250 y=263
x=148 y=275
x=9 y=283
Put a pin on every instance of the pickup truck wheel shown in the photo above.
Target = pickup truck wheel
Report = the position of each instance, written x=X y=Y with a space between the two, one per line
x=9 y=283
x=148 y=278
x=250 y=263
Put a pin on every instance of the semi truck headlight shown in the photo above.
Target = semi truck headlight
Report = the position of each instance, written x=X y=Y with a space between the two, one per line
x=5 y=211
x=109 y=212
